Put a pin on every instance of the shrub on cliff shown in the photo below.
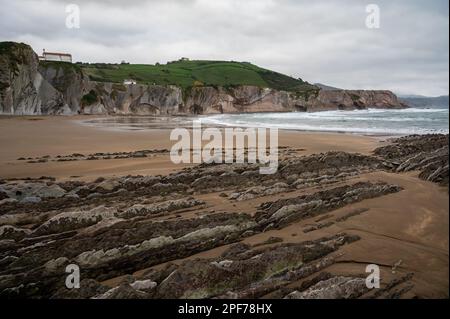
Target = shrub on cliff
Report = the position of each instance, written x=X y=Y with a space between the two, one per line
x=90 y=98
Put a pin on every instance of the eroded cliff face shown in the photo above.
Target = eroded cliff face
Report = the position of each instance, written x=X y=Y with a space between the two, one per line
x=241 y=99
x=90 y=97
x=23 y=90
x=68 y=80
x=254 y=99
x=353 y=100
x=33 y=88
x=135 y=99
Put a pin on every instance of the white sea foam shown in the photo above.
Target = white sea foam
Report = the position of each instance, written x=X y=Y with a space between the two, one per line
x=371 y=121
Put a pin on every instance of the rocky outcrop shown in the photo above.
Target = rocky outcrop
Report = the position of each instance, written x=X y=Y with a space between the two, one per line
x=115 y=226
x=427 y=154
x=353 y=100
x=168 y=206
x=33 y=88
x=23 y=90
x=245 y=274
x=334 y=288
x=284 y=211
x=69 y=80
x=137 y=99
x=241 y=99
x=22 y=191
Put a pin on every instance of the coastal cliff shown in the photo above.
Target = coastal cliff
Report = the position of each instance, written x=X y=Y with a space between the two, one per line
x=23 y=89
x=30 y=87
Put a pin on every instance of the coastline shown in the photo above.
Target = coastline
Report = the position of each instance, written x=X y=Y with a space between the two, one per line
x=96 y=122
x=370 y=122
x=31 y=137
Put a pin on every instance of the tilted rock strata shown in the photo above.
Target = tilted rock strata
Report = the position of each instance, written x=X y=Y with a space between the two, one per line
x=427 y=154
x=23 y=89
x=131 y=244
x=112 y=227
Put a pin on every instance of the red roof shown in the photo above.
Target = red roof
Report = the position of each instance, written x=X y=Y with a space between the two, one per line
x=57 y=53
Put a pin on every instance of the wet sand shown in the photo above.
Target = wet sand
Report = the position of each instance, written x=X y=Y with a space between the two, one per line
x=24 y=137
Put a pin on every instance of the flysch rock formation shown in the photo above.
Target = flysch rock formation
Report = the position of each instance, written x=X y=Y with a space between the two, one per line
x=30 y=88
x=23 y=89
x=126 y=232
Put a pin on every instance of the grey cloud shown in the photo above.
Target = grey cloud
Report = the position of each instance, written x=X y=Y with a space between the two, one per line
x=320 y=41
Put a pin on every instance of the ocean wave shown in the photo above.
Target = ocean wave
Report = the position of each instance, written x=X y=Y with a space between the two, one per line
x=328 y=128
x=372 y=121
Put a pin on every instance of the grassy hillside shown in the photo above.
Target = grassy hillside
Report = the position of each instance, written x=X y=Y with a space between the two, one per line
x=12 y=54
x=196 y=73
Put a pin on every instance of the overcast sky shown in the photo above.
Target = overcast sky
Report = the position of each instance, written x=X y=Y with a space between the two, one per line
x=323 y=41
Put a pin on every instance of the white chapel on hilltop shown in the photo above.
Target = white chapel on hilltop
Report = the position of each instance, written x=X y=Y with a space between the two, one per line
x=56 y=56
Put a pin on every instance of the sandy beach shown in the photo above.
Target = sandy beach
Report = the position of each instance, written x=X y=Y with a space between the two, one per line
x=24 y=137
x=404 y=232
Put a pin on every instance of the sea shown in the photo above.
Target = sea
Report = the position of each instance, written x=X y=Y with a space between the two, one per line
x=362 y=122
x=368 y=122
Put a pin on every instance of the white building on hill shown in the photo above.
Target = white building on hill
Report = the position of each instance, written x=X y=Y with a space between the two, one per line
x=129 y=82
x=56 y=56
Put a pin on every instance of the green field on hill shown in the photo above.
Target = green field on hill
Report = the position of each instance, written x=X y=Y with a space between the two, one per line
x=195 y=73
